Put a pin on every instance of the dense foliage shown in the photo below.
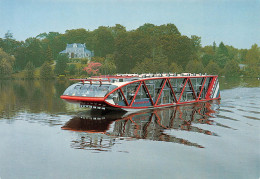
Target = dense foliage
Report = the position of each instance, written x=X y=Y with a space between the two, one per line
x=147 y=49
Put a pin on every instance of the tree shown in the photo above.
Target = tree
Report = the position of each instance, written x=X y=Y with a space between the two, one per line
x=214 y=47
x=29 y=70
x=108 y=68
x=9 y=44
x=108 y=65
x=178 y=49
x=46 y=71
x=92 y=68
x=3 y=55
x=222 y=55
x=34 y=52
x=221 y=60
x=61 y=64
x=231 y=69
x=157 y=65
x=206 y=58
x=104 y=41
x=253 y=61
x=194 y=66
x=146 y=66
x=212 y=68
x=118 y=29
x=196 y=42
x=49 y=55
x=222 y=49
x=6 y=64
x=160 y=63
x=72 y=69
x=175 y=68
x=5 y=68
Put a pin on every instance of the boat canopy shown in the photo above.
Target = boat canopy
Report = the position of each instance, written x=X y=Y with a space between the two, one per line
x=89 y=90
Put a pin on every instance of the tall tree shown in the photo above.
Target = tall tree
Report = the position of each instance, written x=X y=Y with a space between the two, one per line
x=6 y=64
x=212 y=68
x=104 y=41
x=29 y=70
x=231 y=69
x=195 y=66
x=196 y=42
x=5 y=68
x=253 y=61
x=46 y=71
x=222 y=56
x=61 y=64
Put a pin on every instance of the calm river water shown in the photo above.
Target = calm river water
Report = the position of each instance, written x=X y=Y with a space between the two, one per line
x=45 y=137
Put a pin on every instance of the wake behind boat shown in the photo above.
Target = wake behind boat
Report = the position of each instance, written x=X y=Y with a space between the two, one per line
x=131 y=92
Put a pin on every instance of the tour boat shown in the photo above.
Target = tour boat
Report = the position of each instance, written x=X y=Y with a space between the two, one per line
x=131 y=92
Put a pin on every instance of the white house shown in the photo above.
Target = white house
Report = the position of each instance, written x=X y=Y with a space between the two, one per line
x=77 y=50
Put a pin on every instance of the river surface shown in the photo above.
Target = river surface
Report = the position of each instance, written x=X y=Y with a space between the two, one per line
x=42 y=136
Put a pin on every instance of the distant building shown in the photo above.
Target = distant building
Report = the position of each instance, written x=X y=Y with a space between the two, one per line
x=242 y=67
x=77 y=51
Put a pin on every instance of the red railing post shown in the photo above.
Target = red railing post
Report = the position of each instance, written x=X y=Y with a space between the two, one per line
x=124 y=96
x=172 y=90
x=194 y=94
x=148 y=93
x=183 y=88
x=202 y=88
x=160 y=92
x=210 y=87
x=135 y=94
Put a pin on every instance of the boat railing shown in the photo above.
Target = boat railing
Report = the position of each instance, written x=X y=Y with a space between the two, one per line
x=92 y=80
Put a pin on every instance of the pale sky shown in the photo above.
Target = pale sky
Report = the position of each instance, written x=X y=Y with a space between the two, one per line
x=235 y=22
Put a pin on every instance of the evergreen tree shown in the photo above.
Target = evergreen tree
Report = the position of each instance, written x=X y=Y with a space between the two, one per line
x=214 y=46
x=46 y=71
x=222 y=56
x=29 y=70
x=49 y=55
x=72 y=69
x=61 y=64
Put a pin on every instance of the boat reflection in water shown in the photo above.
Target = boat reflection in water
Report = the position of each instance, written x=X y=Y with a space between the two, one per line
x=99 y=131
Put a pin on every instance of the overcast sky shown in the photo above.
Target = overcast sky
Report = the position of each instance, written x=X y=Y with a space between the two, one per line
x=235 y=22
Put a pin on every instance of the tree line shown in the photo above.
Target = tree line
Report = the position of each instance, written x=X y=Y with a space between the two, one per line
x=147 y=49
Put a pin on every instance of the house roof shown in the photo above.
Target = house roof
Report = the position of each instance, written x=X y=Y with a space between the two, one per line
x=78 y=45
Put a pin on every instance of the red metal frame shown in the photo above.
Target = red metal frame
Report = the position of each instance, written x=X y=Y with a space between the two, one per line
x=183 y=88
x=148 y=93
x=136 y=92
x=164 y=83
x=142 y=81
x=194 y=94
x=209 y=91
x=124 y=96
x=175 y=99
x=202 y=87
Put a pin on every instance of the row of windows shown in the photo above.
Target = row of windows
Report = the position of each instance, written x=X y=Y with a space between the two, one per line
x=154 y=87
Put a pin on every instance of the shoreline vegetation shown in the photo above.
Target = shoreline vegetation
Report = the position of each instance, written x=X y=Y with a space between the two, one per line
x=147 y=49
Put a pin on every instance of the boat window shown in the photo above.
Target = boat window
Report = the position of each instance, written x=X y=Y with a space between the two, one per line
x=69 y=91
x=87 y=90
x=131 y=89
x=118 y=98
